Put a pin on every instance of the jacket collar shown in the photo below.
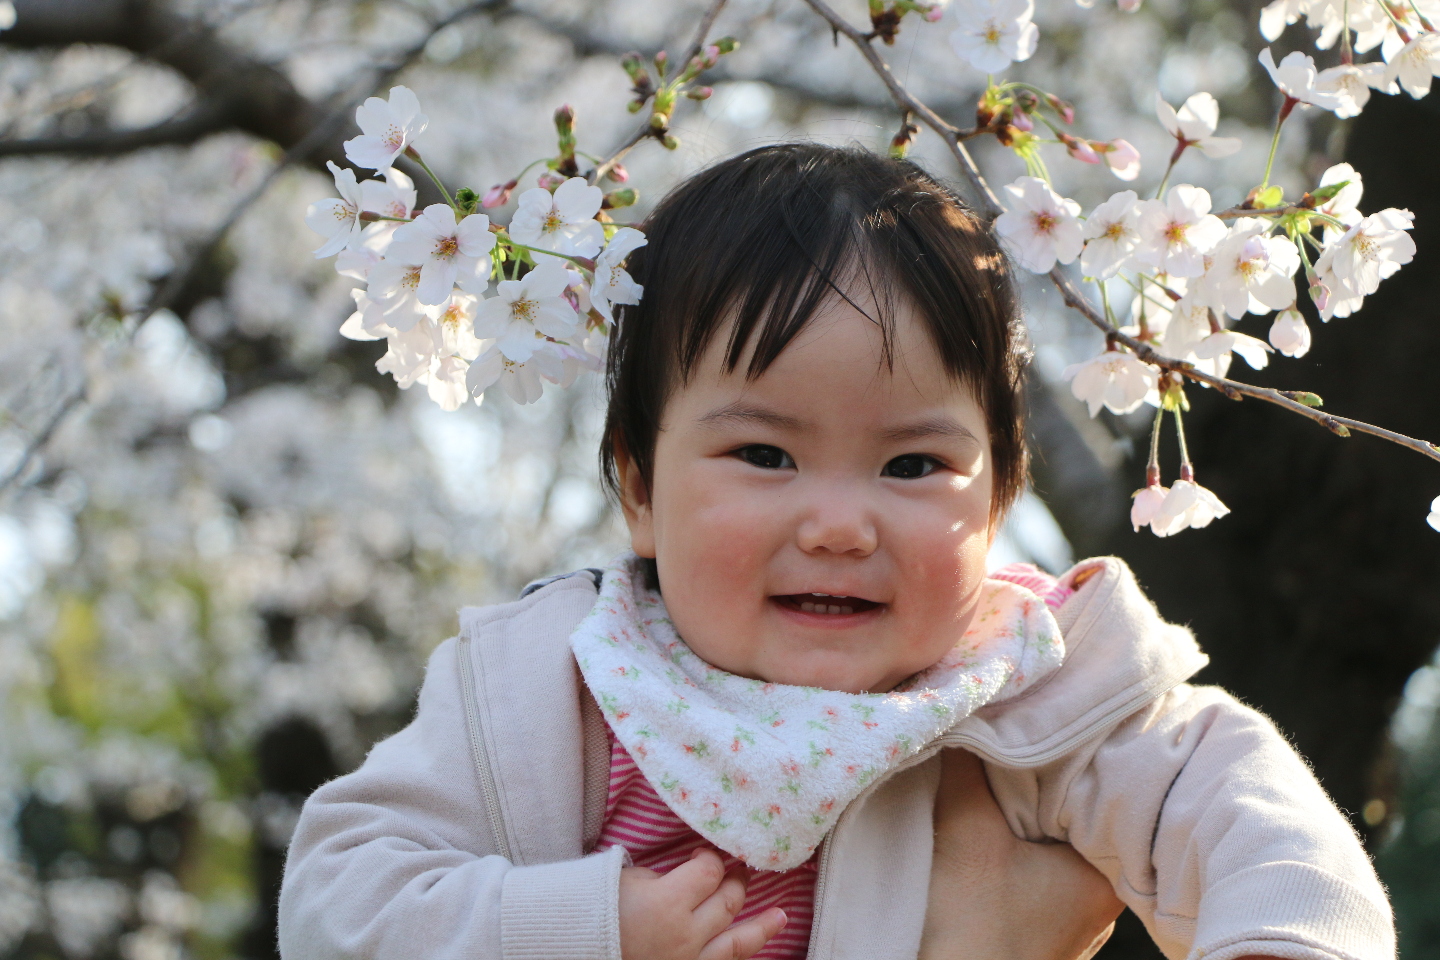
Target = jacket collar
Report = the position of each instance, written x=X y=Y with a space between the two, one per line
x=1119 y=655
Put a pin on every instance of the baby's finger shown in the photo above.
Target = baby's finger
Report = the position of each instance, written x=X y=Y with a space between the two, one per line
x=697 y=879
x=720 y=908
x=744 y=940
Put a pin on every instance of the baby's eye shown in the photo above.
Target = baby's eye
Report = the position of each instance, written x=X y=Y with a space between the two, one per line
x=911 y=466
x=766 y=456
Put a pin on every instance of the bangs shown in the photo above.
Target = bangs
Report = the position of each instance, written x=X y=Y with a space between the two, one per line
x=754 y=246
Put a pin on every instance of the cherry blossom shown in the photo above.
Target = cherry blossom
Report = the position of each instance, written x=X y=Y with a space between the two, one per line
x=1115 y=380
x=994 y=33
x=1145 y=504
x=1412 y=64
x=612 y=285
x=354 y=327
x=357 y=262
x=1191 y=321
x=446 y=252
x=1345 y=205
x=387 y=128
x=1040 y=227
x=519 y=379
x=1177 y=232
x=392 y=197
x=563 y=222
x=1110 y=236
x=1187 y=505
x=1296 y=76
x=337 y=220
x=1154 y=304
x=1349 y=84
x=1371 y=250
x=394 y=291
x=1195 y=124
x=1120 y=156
x=409 y=355
x=1434 y=518
x=1280 y=14
x=1289 y=334
x=1222 y=343
x=1251 y=271
x=527 y=311
x=1333 y=295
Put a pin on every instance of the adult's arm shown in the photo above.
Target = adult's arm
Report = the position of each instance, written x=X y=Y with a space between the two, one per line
x=994 y=896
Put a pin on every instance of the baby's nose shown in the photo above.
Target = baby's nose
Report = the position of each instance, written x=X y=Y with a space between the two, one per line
x=840 y=527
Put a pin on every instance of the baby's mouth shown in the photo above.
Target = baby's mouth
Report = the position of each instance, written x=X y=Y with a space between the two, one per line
x=825 y=603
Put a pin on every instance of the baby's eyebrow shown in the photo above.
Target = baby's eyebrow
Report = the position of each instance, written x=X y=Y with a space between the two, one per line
x=937 y=425
x=739 y=411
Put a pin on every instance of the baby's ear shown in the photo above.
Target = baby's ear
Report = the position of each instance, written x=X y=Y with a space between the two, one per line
x=635 y=503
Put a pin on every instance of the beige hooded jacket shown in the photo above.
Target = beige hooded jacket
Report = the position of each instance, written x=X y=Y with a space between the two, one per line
x=466 y=836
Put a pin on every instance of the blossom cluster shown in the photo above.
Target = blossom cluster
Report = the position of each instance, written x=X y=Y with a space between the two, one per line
x=1190 y=272
x=556 y=269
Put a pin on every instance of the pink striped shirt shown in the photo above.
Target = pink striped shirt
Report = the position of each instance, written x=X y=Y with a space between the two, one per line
x=638 y=820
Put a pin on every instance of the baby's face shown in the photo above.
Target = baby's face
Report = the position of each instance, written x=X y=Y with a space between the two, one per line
x=827 y=523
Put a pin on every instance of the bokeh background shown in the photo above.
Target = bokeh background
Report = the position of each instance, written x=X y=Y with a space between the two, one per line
x=227 y=544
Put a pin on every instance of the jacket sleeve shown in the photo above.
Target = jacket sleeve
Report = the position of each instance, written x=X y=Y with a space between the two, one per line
x=1214 y=831
x=397 y=860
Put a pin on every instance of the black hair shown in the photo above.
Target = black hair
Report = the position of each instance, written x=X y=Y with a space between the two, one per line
x=760 y=240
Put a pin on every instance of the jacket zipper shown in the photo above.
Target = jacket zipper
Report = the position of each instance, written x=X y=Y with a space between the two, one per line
x=478 y=754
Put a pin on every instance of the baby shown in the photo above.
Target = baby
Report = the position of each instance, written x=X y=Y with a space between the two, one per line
x=741 y=739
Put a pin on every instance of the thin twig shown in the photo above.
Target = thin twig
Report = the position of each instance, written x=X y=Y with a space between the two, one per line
x=952 y=135
x=1073 y=298
x=646 y=131
x=707 y=23
x=41 y=438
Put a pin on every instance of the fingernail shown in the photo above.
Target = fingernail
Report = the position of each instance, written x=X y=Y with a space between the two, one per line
x=784 y=919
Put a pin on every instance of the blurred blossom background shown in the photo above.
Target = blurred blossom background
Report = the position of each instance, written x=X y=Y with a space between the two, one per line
x=227 y=544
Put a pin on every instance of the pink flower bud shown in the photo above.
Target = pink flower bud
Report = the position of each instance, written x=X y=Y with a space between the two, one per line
x=1129 y=6
x=712 y=55
x=1122 y=158
x=1021 y=120
x=550 y=180
x=1080 y=149
x=618 y=174
x=1066 y=110
x=934 y=14
x=498 y=195
x=1321 y=295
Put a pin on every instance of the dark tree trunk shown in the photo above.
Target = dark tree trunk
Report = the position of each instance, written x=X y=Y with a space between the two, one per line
x=1318 y=596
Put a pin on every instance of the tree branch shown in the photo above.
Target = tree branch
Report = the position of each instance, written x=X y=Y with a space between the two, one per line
x=990 y=206
x=234 y=90
x=205 y=118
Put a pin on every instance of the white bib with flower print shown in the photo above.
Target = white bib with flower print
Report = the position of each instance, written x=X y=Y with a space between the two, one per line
x=763 y=770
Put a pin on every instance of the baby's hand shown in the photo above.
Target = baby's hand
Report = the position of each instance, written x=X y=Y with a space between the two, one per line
x=684 y=915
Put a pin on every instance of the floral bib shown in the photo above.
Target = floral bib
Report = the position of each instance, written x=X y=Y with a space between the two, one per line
x=763 y=770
